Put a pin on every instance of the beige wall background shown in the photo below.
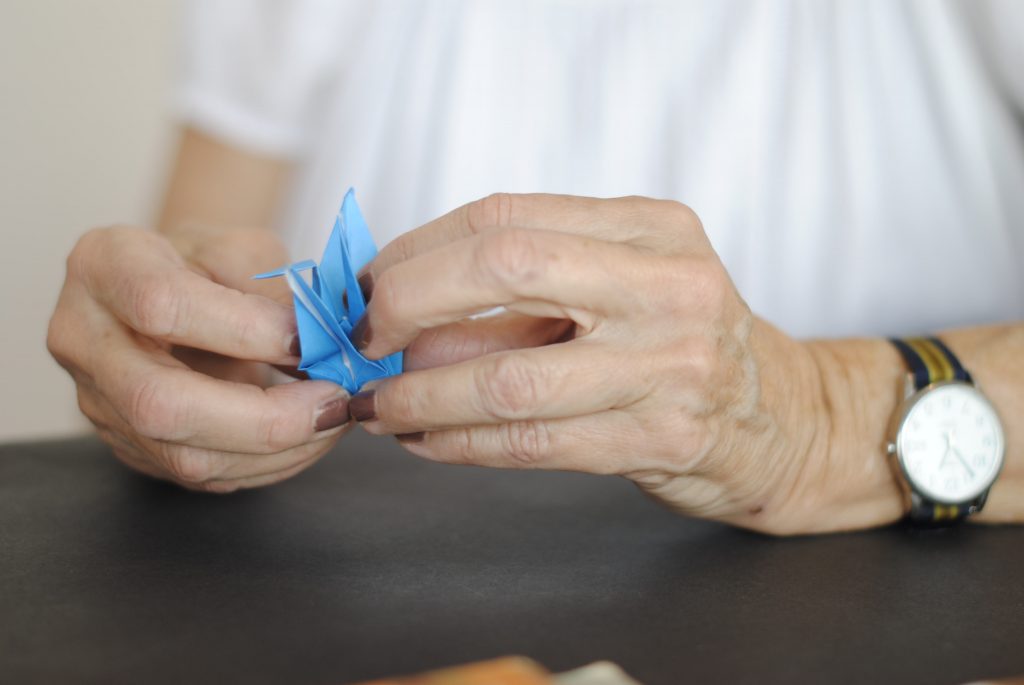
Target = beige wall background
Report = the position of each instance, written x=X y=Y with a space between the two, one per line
x=85 y=132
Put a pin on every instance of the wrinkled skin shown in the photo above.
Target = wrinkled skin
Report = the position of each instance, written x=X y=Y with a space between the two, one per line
x=170 y=345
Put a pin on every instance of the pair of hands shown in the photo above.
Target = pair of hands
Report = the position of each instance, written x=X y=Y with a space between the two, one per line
x=623 y=348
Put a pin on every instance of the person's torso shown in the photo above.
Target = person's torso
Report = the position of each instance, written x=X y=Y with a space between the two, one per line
x=854 y=163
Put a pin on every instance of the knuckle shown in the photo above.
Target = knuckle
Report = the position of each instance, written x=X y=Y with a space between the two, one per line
x=695 y=368
x=398 y=403
x=280 y=429
x=689 y=443
x=155 y=307
x=386 y=302
x=57 y=338
x=153 y=411
x=511 y=257
x=94 y=248
x=493 y=211
x=90 y=242
x=68 y=336
x=674 y=225
x=709 y=286
x=190 y=466
x=677 y=439
x=77 y=262
x=402 y=248
x=59 y=332
x=249 y=328
x=459 y=446
x=700 y=358
x=64 y=339
x=87 y=405
x=509 y=387
x=525 y=443
x=678 y=213
x=54 y=338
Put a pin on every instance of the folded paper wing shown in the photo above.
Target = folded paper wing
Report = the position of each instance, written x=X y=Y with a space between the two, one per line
x=331 y=303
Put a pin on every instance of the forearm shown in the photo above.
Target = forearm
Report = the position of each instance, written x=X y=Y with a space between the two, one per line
x=214 y=186
x=218 y=209
x=862 y=385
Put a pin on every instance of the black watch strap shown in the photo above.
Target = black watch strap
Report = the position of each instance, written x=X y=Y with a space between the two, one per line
x=930 y=361
x=935 y=513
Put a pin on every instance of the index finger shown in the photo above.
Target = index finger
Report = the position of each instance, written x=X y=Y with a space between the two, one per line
x=541 y=273
x=157 y=295
x=623 y=219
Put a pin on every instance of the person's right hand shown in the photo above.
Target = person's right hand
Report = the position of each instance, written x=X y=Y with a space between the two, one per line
x=130 y=322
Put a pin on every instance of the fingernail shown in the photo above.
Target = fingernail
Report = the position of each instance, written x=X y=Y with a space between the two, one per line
x=366 y=285
x=332 y=413
x=361 y=406
x=411 y=437
x=362 y=334
x=295 y=348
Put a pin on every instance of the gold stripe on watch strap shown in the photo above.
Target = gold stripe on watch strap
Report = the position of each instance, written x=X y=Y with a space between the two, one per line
x=930 y=361
x=947 y=512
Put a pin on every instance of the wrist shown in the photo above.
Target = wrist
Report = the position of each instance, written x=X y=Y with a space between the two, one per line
x=862 y=382
x=830 y=404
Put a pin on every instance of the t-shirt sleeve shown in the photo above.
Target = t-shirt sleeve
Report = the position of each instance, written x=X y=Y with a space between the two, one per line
x=251 y=70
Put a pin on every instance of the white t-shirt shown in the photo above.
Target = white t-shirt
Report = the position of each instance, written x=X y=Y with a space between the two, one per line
x=858 y=165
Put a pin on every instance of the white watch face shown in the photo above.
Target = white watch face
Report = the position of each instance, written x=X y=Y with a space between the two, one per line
x=950 y=443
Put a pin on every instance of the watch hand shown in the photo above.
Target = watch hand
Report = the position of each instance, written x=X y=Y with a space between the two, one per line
x=963 y=461
x=945 y=455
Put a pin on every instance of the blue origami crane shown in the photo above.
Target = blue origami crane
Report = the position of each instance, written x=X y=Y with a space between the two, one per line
x=329 y=307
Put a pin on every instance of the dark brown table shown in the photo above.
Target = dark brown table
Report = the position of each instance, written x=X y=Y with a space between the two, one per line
x=375 y=563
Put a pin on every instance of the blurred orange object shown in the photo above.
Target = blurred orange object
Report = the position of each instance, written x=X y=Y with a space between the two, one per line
x=506 y=671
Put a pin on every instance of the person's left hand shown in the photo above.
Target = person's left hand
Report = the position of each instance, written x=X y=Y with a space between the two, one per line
x=625 y=349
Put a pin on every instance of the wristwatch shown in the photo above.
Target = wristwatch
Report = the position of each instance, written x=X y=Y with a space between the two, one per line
x=946 y=441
